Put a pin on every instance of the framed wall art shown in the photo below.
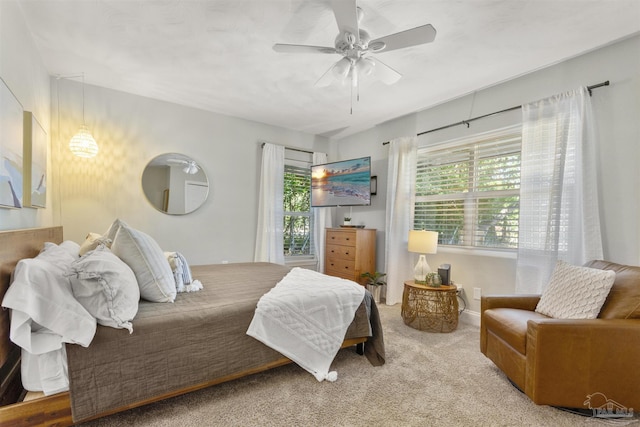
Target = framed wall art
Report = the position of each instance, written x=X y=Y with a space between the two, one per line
x=35 y=163
x=11 y=149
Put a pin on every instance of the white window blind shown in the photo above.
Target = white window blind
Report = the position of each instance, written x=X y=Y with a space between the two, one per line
x=298 y=221
x=469 y=193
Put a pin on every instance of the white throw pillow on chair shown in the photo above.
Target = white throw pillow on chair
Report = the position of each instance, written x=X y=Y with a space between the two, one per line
x=575 y=292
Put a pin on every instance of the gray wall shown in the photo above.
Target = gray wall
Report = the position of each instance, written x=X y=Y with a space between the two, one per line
x=131 y=130
x=617 y=109
x=24 y=73
x=86 y=195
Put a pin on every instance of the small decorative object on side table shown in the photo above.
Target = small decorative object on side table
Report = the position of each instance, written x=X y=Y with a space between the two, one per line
x=428 y=308
x=434 y=280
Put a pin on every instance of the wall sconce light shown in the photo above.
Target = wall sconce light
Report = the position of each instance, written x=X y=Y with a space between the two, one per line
x=422 y=242
x=83 y=144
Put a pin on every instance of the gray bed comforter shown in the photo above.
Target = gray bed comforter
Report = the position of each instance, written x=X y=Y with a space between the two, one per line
x=195 y=340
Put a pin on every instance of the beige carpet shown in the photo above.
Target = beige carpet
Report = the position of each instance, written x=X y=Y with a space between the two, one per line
x=428 y=380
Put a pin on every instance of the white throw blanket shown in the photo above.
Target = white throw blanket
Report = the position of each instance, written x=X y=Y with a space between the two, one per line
x=305 y=318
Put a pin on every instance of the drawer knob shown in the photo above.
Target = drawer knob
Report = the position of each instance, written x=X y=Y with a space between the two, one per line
x=346 y=253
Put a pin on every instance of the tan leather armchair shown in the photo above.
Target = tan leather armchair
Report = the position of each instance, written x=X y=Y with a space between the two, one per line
x=563 y=362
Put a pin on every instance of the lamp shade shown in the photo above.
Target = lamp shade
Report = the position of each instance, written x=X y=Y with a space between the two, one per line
x=423 y=242
x=82 y=144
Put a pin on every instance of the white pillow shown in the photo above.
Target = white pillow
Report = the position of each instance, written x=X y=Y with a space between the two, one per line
x=113 y=229
x=72 y=247
x=140 y=252
x=92 y=241
x=44 y=312
x=59 y=258
x=106 y=287
x=575 y=292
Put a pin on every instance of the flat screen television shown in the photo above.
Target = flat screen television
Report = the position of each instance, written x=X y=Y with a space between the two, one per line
x=342 y=183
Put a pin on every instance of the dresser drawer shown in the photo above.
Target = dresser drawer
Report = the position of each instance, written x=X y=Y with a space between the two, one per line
x=349 y=252
x=343 y=238
x=342 y=274
x=343 y=252
x=339 y=265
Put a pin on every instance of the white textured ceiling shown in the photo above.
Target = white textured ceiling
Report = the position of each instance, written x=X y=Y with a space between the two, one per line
x=217 y=55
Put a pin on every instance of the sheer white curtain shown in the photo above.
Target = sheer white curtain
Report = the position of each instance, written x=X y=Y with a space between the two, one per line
x=321 y=220
x=399 y=215
x=559 y=217
x=269 y=240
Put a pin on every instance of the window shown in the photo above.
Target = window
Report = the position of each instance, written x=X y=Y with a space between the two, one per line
x=469 y=191
x=298 y=221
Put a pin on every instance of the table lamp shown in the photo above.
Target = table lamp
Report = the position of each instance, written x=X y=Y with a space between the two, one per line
x=422 y=242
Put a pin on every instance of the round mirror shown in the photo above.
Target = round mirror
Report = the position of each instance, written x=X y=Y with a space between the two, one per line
x=175 y=184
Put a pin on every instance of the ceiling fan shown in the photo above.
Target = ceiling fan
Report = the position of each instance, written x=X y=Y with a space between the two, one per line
x=190 y=166
x=355 y=46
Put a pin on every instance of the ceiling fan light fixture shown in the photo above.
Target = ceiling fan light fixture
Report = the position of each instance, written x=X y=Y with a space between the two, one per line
x=341 y=68
x=191 y=168
x=365 y=66
x=354 y=44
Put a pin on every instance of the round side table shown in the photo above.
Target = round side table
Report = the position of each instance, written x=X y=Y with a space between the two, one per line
x=430 y=309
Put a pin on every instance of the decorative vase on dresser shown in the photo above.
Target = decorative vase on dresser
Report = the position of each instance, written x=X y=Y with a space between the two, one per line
x=349 y=252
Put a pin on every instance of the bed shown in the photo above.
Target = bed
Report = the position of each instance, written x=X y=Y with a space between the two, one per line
x=205 y=329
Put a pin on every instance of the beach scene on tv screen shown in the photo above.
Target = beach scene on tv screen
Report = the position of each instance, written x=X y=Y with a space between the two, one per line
x=341 y=183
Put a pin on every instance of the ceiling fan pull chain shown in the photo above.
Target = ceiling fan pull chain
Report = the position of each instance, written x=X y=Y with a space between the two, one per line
x=351 y=98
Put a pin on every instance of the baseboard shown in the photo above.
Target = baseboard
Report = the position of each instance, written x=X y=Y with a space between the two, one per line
x=470 y=317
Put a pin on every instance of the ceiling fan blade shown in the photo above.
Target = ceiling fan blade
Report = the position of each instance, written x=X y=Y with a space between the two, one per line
x=346 y=14
x=301 y=48
x=385 y=73
x=415 y=36
x=338 y=71
x=326 y=79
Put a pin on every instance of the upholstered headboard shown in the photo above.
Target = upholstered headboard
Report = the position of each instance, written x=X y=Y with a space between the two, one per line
x=14 y=246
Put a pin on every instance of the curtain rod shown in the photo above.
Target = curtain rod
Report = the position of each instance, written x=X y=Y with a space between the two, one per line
x=291 y=148
x=466 y=122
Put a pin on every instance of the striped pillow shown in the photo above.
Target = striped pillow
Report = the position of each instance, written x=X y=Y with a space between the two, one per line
x=144 y=256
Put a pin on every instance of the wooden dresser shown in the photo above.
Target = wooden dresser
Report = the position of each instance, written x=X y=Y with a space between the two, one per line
x=350 y=252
